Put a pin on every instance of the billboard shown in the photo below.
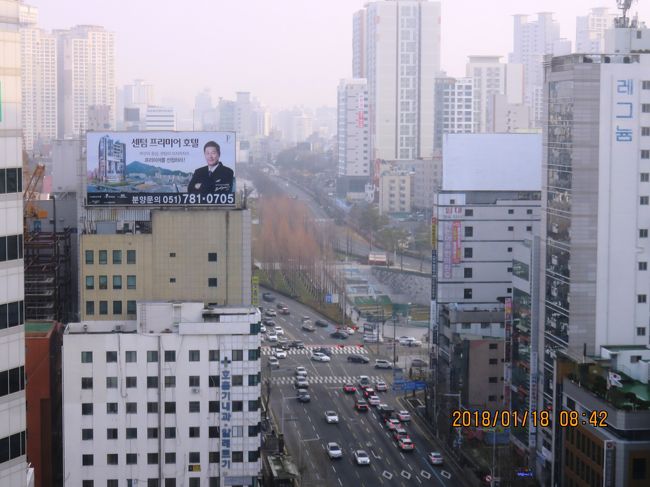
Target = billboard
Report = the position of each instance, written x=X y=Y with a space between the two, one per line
x=161 y=168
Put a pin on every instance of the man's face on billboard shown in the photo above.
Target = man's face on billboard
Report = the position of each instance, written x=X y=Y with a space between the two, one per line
x=211 y=156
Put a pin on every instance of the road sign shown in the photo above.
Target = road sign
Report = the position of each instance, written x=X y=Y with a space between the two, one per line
x=328 y=298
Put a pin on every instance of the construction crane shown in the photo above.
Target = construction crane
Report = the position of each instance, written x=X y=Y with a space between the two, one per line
x=30 y=209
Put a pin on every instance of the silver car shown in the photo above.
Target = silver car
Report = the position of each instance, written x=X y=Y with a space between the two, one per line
x=334 y=450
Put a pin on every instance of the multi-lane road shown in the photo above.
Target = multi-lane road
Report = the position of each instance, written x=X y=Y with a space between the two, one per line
x=306 y=431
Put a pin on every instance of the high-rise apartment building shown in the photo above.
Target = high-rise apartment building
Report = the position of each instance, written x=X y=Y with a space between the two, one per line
x=590 y=30
x=454 y=108
x=353 y=138
x=38 y=57
x=397 y=46
x=170 y=397
x=532 y=40
x=13 y=465
x=86 y=76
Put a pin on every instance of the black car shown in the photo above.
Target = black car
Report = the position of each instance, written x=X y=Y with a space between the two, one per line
x=297 y=344
x=303 y=395
x=268 y=297
x=360 y=359
x=280 y=305
x=339 y=335
x=322 y=323
x=325 y=350
x=268 y=322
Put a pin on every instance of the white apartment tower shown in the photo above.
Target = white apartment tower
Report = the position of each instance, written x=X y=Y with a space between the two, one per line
x=590 y=30
x=86 y=76
x=532 y=40
x=352 y=136
x=397 y=45
x=454 y=108
x=13 y=465
x=39 y=77
x=171 y=398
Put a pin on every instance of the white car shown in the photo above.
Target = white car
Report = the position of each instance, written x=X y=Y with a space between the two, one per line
x=278 y=330
x=404 y=340
x=301 y=371
x=279 y=353
x=271 y=312
x=383 y=364
x=334 y=450
x=263 y=328
x=404 y=416
x=412 y=342
x=273 y=362
x=331 y=417
x=435 y=458
x=361 y=457
x=374 y=401
x=319 y=357
x=272 y=337
x=349 y=330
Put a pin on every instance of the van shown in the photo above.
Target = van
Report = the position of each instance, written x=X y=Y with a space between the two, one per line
x=383 y=364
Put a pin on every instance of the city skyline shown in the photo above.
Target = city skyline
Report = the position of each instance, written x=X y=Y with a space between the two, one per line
x=324 y=28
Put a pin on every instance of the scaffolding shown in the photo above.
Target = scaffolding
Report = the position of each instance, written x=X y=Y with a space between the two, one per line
x=48 y=276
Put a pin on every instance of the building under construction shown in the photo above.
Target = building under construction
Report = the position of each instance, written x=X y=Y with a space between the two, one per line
x=48 y=275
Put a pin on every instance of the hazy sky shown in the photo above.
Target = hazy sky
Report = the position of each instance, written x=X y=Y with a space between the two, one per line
x=286 y=52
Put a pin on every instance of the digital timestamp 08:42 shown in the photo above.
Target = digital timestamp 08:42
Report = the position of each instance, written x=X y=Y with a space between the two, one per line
x=507 y=419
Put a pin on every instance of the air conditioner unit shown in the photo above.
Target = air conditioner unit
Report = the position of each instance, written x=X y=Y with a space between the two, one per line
x=195 y=390
x=118 y=327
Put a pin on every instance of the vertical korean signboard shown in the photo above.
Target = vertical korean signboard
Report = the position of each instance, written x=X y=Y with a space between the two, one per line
x=433 y=312
x=508 y=352
x=456 y=245
x=226 y=416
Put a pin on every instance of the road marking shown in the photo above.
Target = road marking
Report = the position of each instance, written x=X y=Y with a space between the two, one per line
x=410 y=466
x=425 y=474
x=405 y=474
x=445 y=474
x=402 y=455
x=333 y=469
x=386 y=474
x=374 y=454
x=340 y=483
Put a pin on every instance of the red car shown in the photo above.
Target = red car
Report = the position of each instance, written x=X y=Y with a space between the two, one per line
x=406 y=444
x=361 y=405
x=391 y=423
x=399 y=433
x=349 y=389
x=368 y=391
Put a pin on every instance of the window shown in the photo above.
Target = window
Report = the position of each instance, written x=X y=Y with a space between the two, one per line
x=254 y=354
x=213 y=432
x=90 y=308
x=170 y=432
x=131 y=433
x=170 y=356
x=152 y=407
x=170 y=381
x=643 y=233
x=111 y=382
x=111 y=459
x=117 y=307
x=511 y=229
x=212 y=257
x=253 y=405
x=131 y=356
x=152 y=382
x=194 y=432
x=117 y=282
x=493 y=361
x=640 y=331
x=172 y=254
x=212 y=282
x=195 y=457
x=90 y=282
x=111 y=356
x=468 y=272
x=152 y=458
x=86 y=357
x=492 y=398
x=469 y=231
x=237 y=355
x=511 y=211
x=152 y=356
x=87 y=483
x=195 y=407
x=131 y=458
x=639 y=467
x=90 y=257
x=213 y=406
x=254 y=430
x=112 y=482
x=172 y=280
x=237 y=380
x=117 y=256
x=103 y=257
x=214 y=381
x=641 y=298
x=469 y=212
x=645 y=176
x=645 y=107
x=170 y=457
x=87 y=460
x=643 y=266
x=87 y=434
x=130 y=256
x=213 y=355
x=237 y=406
x=529 y=212
x=529 y=228
x=130 y=308
x=467 y=293
x=195 y=381
x=195 y=482
x=643 y=200
x=645 y=154
x=86 y=382
x=111 y=434
x=131 y=408
x=103 y=282
x=493 y=346
x=468 y=252
x=103 y=307
x=253 y=380
x=195 y=355
x=170 y=407
x=634 y=359
x=645 y=85
x=213 y=457
x=130 y=282
x=492 y=380
x=131 y=381
x=237 y=456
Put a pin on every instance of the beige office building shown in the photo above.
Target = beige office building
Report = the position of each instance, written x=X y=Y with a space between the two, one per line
x=180 y=254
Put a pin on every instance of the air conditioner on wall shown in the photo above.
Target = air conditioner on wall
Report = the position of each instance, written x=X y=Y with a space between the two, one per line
x=195 y=390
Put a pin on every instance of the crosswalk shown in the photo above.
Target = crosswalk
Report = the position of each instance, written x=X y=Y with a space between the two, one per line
x=345 y=350
x=325 y=379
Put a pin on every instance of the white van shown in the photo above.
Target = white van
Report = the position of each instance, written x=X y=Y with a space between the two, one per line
x=383 y=364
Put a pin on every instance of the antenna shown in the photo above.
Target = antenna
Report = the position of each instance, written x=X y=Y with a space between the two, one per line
x=623 y=20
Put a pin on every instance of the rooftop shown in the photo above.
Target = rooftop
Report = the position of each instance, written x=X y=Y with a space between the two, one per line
x=40 y=327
